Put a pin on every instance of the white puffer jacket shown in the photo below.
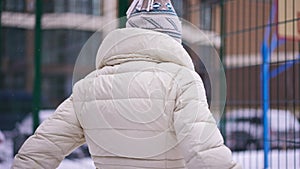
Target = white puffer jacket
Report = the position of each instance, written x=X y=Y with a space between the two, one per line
x=144 y=107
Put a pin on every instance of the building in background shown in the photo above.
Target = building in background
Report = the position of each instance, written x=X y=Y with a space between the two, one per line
x=244 y=30
x=66 y=26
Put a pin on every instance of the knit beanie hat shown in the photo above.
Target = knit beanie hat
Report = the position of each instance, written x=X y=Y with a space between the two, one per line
x=157 y=15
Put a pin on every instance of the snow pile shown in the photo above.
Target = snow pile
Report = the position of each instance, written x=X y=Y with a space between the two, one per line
x=6 y=156
x=86 y=163
x=278 y=159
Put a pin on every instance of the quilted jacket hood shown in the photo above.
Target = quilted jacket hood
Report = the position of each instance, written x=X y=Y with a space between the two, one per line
x=134 y=44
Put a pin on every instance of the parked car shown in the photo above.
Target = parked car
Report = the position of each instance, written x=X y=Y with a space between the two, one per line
x=24 y=129
x=244 y=129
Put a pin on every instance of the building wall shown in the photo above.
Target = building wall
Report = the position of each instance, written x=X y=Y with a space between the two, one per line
x=246 y=25
x=66 y=27
x=246 y=22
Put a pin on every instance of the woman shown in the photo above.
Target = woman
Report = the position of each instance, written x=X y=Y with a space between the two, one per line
x=144 y=106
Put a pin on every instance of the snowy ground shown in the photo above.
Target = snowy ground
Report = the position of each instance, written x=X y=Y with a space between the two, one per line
x=6 y=154
x=85 y=163
x=278 y=159
x=249 y=159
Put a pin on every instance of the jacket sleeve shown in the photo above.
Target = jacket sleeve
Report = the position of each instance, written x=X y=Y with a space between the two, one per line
x=199 y=138
x=54 y=139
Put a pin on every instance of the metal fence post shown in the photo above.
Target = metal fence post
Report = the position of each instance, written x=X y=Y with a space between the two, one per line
x=222 y=57
x=265 y=85
x=122 y=8
x=37 y=63
x=265 y=101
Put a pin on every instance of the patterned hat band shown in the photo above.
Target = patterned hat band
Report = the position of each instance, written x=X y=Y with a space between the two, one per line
x=150 y=5
x=154 y=15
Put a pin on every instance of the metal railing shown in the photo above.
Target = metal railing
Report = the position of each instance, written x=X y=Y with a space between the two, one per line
x=261 y=124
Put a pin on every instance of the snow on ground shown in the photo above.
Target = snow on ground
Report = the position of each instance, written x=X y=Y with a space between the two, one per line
x=278 y=159
x=289 y=159
x=85 y=163
x=6 y=154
